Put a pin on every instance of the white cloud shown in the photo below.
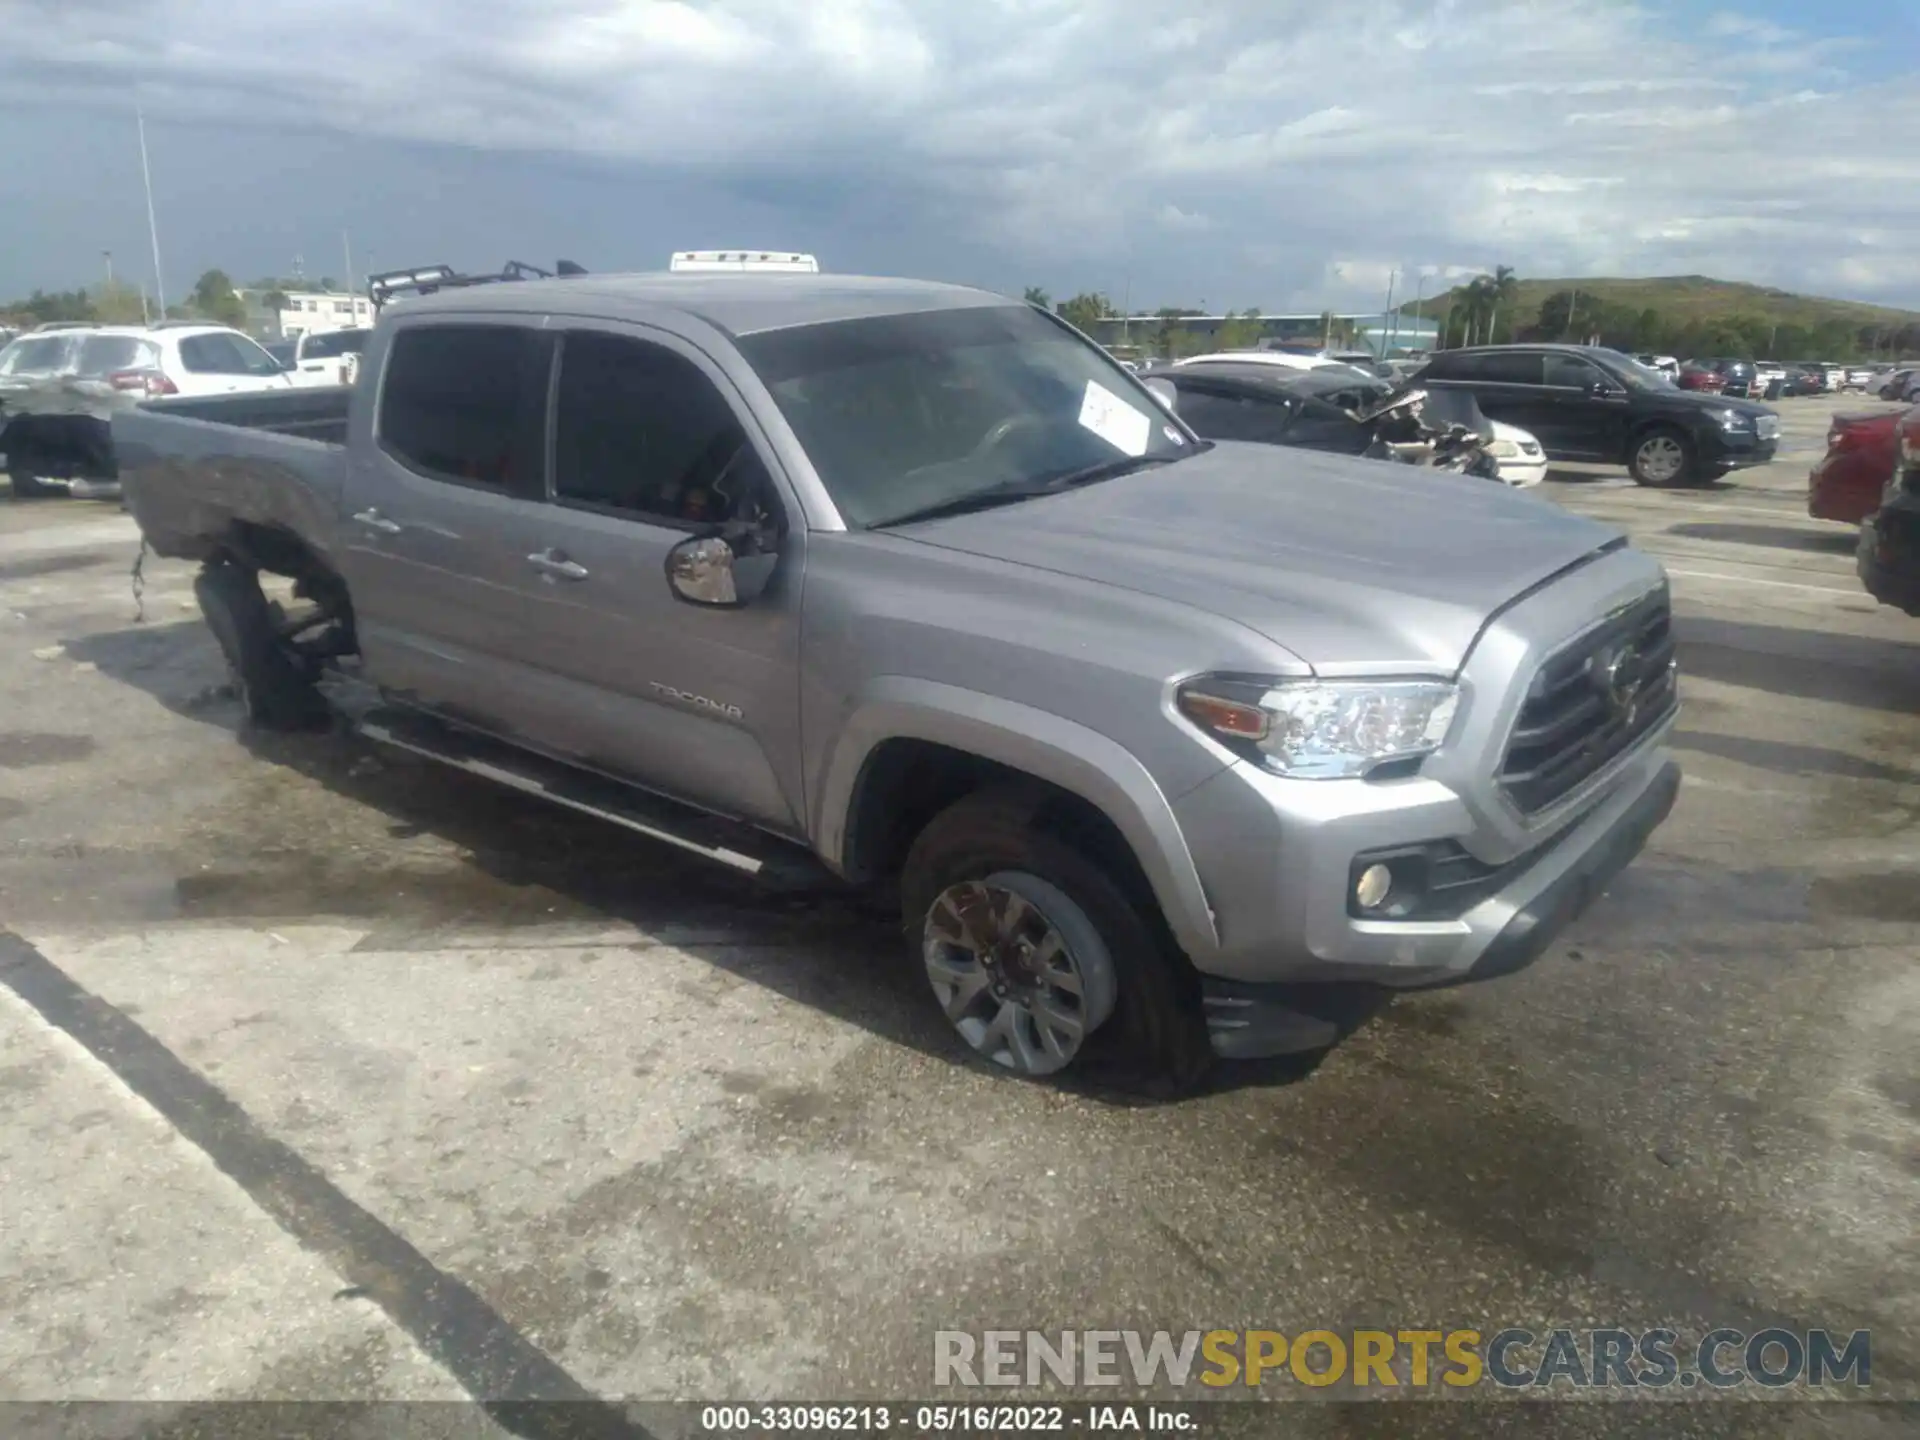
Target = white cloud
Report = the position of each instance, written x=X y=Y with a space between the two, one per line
x=1553 y=135
x=1172 y=217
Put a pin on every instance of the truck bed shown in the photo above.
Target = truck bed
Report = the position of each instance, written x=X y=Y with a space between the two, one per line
x=195 y=472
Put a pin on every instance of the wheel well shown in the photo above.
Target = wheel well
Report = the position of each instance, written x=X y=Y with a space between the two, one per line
x=905 y=783
x=1646 y=428
x=281 y=552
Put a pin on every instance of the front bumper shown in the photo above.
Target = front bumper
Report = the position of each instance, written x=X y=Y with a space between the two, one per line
x=1724 y=450
x=1276 y=856
x=1247 y=1021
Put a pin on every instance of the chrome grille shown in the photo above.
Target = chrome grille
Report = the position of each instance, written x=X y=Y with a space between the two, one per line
x=1590 y=702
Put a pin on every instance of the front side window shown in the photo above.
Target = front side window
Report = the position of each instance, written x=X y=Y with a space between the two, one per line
x=219 y=354
x=464 y=402
x=904 y=413
x=1570 y=372
x=640 y=431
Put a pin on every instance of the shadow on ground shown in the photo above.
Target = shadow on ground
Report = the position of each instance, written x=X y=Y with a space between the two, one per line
x=525 y=863
x=1781 y=537
x=1855 y=670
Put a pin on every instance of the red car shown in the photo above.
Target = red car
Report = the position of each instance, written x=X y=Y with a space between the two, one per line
x=1698 y=377
x=1861 y=449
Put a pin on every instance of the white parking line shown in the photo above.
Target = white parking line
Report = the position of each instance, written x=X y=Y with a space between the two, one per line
x=1771 y=584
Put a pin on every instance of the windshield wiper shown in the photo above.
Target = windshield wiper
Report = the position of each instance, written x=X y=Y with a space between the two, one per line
x=1015 y=491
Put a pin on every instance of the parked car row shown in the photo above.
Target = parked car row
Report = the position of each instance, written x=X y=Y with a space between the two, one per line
x=61 y=383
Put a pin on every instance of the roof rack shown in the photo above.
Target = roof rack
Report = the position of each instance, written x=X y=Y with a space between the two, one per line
x=426 y=279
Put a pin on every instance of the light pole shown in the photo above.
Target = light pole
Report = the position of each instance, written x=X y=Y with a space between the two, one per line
x=1387 y=315
x=153 y=225
x=1419 y=293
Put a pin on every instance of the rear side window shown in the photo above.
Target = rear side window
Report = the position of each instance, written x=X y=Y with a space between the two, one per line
x=334 y=343
x=640 y=430
x=41 y=355
x=1224 y=415
x=218 y=354
x=466 y=403
x=104 y=354
x=1496 y=368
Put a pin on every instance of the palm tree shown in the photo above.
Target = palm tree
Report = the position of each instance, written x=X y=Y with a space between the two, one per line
x=1502 y=289
x=1036 y=296
x=1477 y=303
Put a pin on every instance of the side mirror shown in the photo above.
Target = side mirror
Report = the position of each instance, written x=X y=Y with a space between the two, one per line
x=723 y=568
x=1165 y=393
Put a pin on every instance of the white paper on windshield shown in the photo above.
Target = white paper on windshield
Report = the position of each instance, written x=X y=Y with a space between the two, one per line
x=1104 y=413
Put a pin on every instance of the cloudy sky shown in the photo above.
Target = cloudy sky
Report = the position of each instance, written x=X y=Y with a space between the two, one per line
x=1280 y=153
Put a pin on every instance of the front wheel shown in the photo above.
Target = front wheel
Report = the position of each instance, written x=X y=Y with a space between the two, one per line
x=1661 y=458
x=1038 y=956
x=274 y=683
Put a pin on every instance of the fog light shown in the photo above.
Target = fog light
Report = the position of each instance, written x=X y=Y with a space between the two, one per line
x=1370 y=890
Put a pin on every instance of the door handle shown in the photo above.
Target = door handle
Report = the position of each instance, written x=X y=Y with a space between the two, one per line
x=374 y=520
x=555 y=565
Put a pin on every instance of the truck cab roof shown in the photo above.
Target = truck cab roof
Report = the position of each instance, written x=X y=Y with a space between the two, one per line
x=736 y=303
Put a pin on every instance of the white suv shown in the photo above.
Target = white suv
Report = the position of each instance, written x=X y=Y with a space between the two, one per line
x=60 y=389
x=182 y=358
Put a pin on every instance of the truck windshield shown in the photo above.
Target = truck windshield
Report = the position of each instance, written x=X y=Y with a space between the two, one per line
x=906 y=413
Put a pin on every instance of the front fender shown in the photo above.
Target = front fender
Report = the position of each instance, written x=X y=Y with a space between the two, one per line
x=1044 y=745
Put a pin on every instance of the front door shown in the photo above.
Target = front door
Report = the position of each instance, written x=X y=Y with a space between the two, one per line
x=437 y=509
x=1585 y=413
x=649 y=446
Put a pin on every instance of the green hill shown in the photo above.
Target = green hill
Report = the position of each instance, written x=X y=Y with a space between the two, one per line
x=1687 y=314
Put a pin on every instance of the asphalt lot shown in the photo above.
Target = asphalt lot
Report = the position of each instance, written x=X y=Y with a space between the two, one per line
x=418 y=1089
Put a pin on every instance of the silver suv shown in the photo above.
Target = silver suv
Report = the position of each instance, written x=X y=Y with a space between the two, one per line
x=1168 y=749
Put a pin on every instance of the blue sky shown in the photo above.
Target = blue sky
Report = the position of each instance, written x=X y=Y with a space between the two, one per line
x=1231 y=152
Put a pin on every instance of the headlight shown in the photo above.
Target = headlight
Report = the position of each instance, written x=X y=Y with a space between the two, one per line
x=1323 y=730
x=1503 y=450
x=1733 y=420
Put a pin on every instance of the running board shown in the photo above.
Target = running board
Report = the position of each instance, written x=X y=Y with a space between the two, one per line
x=769 y=860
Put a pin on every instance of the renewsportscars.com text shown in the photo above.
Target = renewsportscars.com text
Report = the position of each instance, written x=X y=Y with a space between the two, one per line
x=1512 y=1358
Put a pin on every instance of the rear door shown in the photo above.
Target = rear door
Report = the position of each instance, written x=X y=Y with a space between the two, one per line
x=439 y=505
x=650 y=445
x=1504 y=383
x=1584 y=415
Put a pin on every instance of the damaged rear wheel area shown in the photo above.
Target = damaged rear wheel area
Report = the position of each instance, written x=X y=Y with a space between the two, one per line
x=275 y=655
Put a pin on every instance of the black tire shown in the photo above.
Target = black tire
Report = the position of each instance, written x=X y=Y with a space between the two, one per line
x=274 y=683
x=1641 y=458
x=1155 y=1039
x=26 y=487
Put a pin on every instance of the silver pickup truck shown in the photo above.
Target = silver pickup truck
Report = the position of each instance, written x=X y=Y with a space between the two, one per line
x=1168 y=749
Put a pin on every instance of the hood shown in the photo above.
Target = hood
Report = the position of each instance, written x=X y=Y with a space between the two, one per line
x=1681 y=399
x=1355 y=566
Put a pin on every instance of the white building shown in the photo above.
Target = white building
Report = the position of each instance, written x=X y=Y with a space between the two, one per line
x=311 y=312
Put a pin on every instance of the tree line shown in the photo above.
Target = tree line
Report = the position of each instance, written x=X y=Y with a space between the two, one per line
x=1486 y=311
x=212 y=299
